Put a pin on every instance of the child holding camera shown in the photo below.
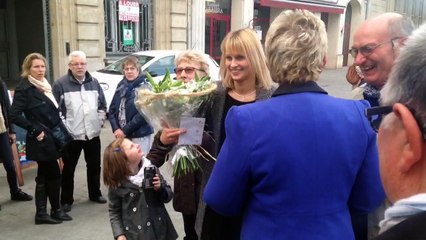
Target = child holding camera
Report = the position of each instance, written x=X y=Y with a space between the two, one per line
x=137 y=193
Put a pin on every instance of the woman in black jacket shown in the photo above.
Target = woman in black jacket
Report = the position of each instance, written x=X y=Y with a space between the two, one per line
x=35 y=109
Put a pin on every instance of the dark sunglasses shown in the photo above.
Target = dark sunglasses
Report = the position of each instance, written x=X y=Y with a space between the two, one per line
x=369 y=48
x=188 y=70
x=375 y=116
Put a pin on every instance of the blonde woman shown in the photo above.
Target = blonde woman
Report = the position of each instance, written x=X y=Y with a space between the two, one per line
x=246 y=79
x=35 y=109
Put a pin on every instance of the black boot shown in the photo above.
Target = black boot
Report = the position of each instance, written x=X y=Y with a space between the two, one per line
x=41 y=216
x=59 y=214
x=53 y=191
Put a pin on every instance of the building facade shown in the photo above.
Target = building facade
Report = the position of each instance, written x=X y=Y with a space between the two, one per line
x=109 y=29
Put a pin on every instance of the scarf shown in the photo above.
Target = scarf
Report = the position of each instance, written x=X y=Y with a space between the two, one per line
x=138 y=178
x=402 y=210
x=43 y=86
x=129 y=86
x=372 y=95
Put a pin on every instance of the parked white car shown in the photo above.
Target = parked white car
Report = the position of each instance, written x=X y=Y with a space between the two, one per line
x=154 y=61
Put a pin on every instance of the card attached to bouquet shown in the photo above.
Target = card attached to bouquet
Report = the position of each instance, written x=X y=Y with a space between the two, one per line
x=194 y=130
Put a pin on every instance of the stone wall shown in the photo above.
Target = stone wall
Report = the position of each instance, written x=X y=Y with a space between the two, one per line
x=79 y=24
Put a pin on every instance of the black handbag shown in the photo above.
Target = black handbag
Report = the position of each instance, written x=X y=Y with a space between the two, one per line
x=60 y=135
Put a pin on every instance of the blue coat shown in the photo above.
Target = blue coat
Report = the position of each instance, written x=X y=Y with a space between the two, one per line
x=293 y=165
x=136 y=125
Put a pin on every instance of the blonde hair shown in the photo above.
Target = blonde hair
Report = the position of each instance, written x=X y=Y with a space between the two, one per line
x=115 y=168
x=28 y=61
x=193 y=57
x=246 y=42
x=296 y=47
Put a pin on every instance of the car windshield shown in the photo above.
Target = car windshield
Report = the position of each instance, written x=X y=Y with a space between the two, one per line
x=117 y=67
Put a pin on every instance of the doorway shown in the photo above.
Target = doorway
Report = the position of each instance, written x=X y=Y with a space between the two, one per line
x=347 y=34
x=217 y=26
x=24 y=28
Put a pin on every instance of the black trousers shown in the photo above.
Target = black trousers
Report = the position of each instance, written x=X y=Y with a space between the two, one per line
x=189 y=226
x=92 y=156
x=7 y=157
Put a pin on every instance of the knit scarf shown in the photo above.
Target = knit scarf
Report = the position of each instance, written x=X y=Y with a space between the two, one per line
x=44 y=86
x=138 y=178
x=129 y=86
x=372 y=95
x=402 y=210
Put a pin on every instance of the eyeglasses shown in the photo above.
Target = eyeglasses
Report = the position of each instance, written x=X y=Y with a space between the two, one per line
x=369 y=48
x=78 y=64
x=188 y=70
x=375 y=116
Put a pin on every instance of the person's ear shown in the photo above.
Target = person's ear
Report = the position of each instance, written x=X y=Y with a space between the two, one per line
x=324 y=61
x=413 y=142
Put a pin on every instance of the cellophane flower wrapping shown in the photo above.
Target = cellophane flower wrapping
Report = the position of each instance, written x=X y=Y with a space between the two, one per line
x=188 y=100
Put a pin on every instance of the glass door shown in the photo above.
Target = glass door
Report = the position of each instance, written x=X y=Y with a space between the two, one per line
x=217 y=26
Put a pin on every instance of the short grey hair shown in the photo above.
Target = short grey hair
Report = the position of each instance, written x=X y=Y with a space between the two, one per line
x=296 y=46
x=407 y=81
x=78 y=53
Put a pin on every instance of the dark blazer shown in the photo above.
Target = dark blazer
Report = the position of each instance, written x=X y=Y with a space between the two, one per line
x=136 y=125
x=413 y=228
x=31 y=107
x=140 y=213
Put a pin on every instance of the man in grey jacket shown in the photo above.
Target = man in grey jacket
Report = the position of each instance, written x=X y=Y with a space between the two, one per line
x=82 y=106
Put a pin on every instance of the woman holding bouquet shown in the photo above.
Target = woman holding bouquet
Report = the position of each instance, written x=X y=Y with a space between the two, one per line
x=125 y=119
x=186 y=187
x=245 y=79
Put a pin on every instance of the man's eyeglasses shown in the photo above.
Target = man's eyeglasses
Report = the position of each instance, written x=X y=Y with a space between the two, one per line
x=188 y=70
x=369 y=48
x=375 y=116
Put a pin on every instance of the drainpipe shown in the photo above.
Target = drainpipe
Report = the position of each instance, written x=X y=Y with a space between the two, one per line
x=367 y=8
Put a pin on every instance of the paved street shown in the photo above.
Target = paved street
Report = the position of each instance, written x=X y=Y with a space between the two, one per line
x=91 y=219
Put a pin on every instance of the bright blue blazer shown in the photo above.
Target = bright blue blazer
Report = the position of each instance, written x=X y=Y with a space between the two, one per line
x=293 y=165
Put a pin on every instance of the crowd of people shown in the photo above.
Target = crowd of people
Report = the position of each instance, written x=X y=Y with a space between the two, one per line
x=287 y=160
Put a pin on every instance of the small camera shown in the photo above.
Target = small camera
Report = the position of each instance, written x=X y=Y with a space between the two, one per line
x=149 y=173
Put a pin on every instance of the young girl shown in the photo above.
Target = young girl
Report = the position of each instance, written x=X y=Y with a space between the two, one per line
x=135 y=212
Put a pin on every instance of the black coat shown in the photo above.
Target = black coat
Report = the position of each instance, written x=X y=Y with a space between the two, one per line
x=31 y=107
x=413 y=228
x=140 y=213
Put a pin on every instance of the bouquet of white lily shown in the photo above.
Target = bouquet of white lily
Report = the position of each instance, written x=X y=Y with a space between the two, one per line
x=169 y=101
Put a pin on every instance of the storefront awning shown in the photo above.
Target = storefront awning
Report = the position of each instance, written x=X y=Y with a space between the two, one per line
x=313 y=6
